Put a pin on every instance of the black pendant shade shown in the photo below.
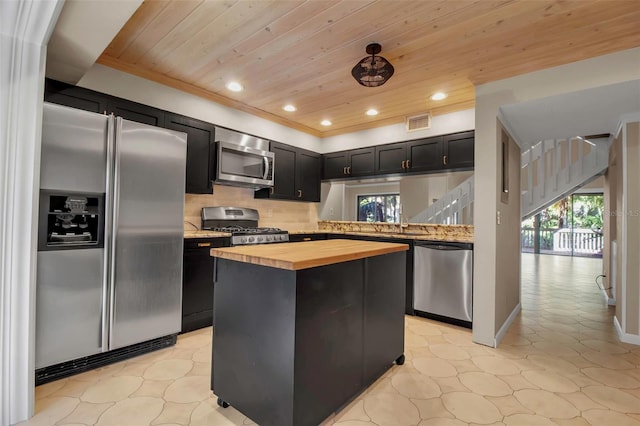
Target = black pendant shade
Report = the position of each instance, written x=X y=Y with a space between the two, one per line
x=372 y=71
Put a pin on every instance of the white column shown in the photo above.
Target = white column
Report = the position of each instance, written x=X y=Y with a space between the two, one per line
x=25 y=27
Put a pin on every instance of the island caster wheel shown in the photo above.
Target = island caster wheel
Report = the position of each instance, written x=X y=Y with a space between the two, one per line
x=222 y=403
x=400 y=360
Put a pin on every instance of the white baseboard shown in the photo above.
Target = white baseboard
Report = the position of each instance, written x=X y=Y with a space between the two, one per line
x=634 y=339
x=506 y=325
x=611 y=301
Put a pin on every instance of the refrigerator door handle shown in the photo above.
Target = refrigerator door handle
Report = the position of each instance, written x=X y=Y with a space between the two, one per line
x=114 y=223
x=108 y=239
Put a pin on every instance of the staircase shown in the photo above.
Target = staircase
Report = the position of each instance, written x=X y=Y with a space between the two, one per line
x=455 y=207
x=551 y=170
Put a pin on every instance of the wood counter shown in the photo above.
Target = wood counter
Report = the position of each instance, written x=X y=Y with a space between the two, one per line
x=308 y=254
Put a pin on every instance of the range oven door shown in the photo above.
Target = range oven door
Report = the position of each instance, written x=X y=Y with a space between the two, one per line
x=244 y=166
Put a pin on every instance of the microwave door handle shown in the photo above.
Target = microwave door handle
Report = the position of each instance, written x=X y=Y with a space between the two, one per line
x=266 y=167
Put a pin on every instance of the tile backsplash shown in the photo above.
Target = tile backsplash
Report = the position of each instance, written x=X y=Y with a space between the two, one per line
x=289 y=215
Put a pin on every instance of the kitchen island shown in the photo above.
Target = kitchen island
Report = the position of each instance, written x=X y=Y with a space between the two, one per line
x=301 y=328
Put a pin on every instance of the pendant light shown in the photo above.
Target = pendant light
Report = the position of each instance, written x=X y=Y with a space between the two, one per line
x=372 y=71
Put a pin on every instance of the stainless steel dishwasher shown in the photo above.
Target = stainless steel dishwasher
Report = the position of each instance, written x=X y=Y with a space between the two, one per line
x=443 y=281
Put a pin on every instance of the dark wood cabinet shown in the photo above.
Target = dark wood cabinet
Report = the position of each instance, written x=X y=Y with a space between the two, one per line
x=449 y=152
x=60 y=93
x=201 y=151
x=354 y=163
x=308 y=169
x=296 y=174
x=335 y=165
x=391 y=158
x=284 y=185
x=197 y=282
x=424 y=155
x=458 y=150
x=78 y=97
x=134 y=111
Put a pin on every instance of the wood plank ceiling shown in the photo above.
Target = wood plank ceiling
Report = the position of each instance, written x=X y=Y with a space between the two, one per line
x=302 y=52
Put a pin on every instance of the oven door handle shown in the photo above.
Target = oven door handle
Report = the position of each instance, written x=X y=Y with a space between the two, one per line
x=266 y=167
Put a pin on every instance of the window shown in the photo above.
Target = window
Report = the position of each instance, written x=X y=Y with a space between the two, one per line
x=379 y=208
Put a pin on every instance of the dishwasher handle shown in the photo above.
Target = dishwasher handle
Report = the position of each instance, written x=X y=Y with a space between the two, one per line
x=445 y=246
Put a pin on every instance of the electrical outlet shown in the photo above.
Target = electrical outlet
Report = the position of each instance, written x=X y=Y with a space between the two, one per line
x=269 y=212
x=331 y=212
x=498 y=219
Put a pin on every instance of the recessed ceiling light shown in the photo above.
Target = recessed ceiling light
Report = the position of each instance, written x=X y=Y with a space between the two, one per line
x=438 y=96
x=289 y=108
x=372 y=112
x=234 y=86
x=325 y=123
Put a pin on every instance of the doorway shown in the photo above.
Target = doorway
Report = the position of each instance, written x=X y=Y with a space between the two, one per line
x=569 y=227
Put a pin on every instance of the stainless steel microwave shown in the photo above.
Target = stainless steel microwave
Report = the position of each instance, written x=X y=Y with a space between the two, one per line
x=243 y=160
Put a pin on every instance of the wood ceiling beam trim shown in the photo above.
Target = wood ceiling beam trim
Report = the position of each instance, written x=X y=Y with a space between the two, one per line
x=137 y=24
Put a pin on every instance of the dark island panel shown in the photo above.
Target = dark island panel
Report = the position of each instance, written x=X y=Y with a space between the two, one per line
x=292 y=347
x=253 y=340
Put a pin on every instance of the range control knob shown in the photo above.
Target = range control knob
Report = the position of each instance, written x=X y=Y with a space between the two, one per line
x=251 y=239
x=269 y=238
x=243 y=240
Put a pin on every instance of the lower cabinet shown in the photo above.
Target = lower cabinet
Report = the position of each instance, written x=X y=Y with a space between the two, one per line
x=197 y=282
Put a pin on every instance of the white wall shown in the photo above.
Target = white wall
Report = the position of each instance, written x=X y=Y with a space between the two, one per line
x=117 y=83
x=440 y=125
x=332 y=201
x=24 y=31
x=603 y=70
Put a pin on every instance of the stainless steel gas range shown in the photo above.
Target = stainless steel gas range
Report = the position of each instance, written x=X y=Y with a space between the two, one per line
x=242 y=224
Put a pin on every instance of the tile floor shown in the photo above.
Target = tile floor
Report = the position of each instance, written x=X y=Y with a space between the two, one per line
x=559 y=364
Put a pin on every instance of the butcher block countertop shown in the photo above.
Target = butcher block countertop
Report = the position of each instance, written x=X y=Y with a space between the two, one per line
x=308 y=254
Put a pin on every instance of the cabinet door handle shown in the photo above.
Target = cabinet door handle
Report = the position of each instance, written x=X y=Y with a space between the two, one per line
x=204 y=244
x=408 y=164
x=306 y=239
x=271 y=190
x=403 y=161
x=349 y=170
x=344 y=170
x=299 y=193
x=444 y=160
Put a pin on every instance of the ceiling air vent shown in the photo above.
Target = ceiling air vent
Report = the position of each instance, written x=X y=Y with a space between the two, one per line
x=418 y=122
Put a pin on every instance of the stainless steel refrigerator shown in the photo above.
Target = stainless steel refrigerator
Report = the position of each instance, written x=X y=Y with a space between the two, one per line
x=110 y=240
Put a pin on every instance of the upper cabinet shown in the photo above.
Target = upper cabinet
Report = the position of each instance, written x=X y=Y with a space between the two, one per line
x=424 y=155
x=391 y=158
x=201 y=151
x=88 y=100
x=133 y=111
x=296 y=174
x=458 y=150
x=345 y=164
x=439 y=153
x=421 y=155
